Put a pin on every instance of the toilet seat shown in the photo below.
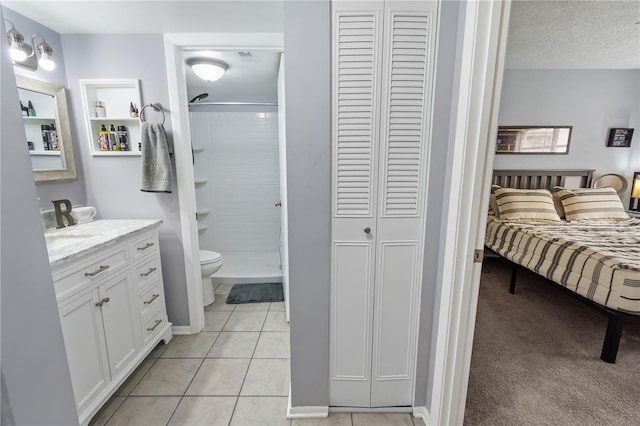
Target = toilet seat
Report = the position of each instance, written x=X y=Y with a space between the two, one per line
x=208 y=256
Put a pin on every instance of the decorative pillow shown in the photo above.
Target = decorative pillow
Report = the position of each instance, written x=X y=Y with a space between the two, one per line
x=557 y=202
x=526 y=204
x=591 y=204
x=493 y=206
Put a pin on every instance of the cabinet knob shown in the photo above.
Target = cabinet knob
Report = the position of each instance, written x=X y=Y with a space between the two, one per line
x=278 y=203
x=367 y=230
x=102 y=302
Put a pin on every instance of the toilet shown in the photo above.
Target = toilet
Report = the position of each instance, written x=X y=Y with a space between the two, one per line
x=210 y=262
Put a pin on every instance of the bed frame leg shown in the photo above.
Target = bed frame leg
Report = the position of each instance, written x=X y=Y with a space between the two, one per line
x=514 y=275
x=612 y=338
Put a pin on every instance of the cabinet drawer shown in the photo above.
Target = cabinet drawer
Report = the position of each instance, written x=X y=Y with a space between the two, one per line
x=143 y=246
x=98 y=268
x=152 y=326
x=150 y=300
x=146 y=272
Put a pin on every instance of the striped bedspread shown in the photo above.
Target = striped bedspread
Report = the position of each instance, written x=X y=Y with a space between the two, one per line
x=598 y=260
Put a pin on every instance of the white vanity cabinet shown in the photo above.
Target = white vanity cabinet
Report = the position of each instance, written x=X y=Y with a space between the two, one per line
x=112 y=311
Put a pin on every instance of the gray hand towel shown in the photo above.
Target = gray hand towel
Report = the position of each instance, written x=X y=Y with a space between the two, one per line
x=157 y=175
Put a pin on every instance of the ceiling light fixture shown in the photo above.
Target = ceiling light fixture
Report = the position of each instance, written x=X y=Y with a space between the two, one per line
x=24 y=55
x=207 y=69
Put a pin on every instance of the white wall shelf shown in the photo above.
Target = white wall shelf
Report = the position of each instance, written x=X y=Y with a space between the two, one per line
x=116 y=96
x=39 y=118
x=198 y=149
x=49 y=153
x=202 y=212
x=200 y=181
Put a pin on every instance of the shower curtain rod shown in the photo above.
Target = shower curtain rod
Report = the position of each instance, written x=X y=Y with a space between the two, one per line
x=235 y=103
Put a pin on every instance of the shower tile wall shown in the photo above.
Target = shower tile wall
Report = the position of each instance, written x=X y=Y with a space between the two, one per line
x=240 y=163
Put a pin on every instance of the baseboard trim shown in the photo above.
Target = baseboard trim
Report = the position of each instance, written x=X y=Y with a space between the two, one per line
x=374 y=410
x=181 y=329
x=421 y=413
x=308 y=412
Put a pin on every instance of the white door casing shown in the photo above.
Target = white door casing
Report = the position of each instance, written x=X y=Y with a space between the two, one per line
x=382 y=63
x=174 y=43
x=482 y=61
x=284 y=205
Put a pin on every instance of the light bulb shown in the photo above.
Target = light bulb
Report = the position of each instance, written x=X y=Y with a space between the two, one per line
x=17 y=52
x=46 y=62
x=208 y=72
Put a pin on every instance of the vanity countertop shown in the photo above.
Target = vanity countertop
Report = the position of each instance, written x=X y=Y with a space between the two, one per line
x=69 y=243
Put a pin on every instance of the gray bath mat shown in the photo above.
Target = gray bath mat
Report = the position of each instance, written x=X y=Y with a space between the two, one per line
x=255 y=293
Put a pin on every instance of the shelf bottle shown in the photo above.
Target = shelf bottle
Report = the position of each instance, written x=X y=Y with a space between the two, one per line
x=31 y=112
x=103 y=139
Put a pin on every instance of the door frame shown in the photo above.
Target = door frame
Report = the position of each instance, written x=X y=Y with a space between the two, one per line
x=174 y=44
x=475 y=124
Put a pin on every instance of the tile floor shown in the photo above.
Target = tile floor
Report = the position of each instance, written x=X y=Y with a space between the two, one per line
x=236 y=372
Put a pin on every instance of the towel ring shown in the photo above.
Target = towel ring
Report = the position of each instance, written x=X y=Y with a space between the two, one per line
x=157 y=107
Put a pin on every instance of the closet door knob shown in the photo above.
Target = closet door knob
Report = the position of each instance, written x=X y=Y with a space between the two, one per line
x=367 y=230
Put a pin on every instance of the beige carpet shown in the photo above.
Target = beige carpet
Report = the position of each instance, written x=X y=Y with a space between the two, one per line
x=536 y=358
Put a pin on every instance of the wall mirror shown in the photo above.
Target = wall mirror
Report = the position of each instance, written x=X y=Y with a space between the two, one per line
x=46 y=122
x=533 y=140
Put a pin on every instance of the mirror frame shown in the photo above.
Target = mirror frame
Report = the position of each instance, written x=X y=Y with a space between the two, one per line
x=58 y=92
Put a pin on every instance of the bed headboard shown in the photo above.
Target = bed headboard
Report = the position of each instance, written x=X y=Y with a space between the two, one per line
x=542 y=179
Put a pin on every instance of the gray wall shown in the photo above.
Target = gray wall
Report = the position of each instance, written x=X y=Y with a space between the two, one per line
x=438 y=165
x=35 y=372
x=307 y=50
x=307 y=73
x=47 y=191
x=113 y=183
x=592 y=101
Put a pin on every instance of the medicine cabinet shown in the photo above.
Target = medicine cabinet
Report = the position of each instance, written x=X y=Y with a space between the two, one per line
x=46 y=123
x=108 y=103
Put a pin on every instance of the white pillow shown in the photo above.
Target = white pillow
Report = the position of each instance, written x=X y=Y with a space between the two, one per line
x=591 y=204
x=526 y=204
x=493 y=206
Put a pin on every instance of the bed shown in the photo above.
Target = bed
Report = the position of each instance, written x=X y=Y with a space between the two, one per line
x=596 y=261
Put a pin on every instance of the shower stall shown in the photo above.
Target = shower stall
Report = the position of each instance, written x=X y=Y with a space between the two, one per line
x=237 y=177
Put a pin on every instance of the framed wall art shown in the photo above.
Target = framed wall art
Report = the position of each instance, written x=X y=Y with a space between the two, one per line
x=620 y=138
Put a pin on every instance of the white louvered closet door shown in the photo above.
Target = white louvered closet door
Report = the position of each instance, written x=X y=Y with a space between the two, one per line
x=382 y=70
x=356 y=68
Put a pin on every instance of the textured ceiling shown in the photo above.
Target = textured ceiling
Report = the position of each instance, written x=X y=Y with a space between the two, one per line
x=574 y=34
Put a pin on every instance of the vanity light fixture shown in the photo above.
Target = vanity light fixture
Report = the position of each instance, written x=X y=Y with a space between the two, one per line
x=207 y=69
x=24 y=55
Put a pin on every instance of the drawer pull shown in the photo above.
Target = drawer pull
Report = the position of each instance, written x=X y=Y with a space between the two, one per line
x=146 y=246
x=97 y=271
x=154 y=297
x=148 y=272
x=102 y=302
x=155 y=326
